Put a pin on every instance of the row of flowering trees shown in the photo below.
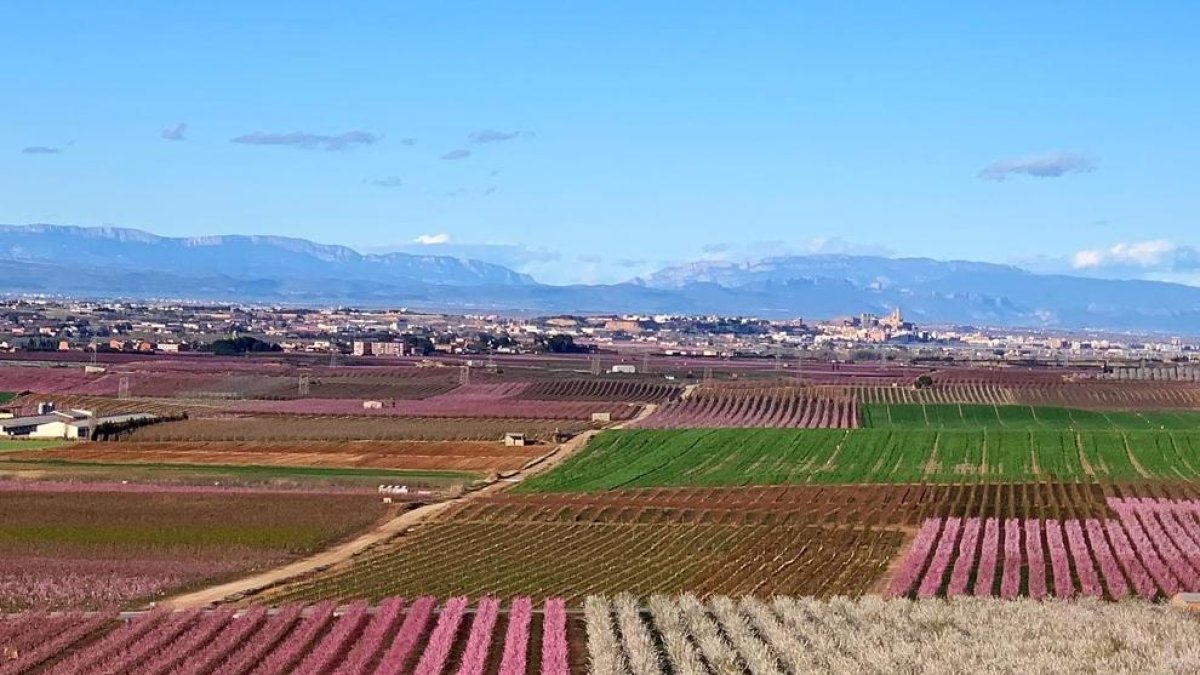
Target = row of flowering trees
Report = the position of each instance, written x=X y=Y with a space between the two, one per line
x=755 y=408
x=1150 y=549
x=692 y=636
x=418 y=637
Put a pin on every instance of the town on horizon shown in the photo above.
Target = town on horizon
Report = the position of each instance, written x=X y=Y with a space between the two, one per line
x=64 y=326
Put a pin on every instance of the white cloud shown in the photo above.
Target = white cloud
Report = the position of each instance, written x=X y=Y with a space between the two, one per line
x=1049 y=165
x=433 y=239
x=175 y=132
x=1142 y=254
x=310 y=141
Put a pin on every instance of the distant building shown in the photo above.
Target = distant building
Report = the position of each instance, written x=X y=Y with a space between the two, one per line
x=514 y=439
x=71 y=425
x=623 y=369
x=373 y=348
x=623 y=326
x=895 y=321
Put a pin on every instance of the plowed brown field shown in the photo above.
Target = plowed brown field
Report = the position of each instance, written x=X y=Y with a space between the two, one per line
x=403 y=455
x=330 y=428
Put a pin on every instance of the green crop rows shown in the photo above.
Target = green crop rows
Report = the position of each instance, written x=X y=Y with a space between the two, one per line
x=951 y=416
x=730 y=457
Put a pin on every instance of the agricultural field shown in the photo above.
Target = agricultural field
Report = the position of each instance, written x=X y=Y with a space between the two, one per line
x=230 y=380
x=611 y=390
x=735 y=525
x=71 y=547
x=1150 y=550
x=870 y=505
x=397 y=636
x=46 y=379
x=913 y=416
x=868 y=635
x=787 y=407
x=1062 y=394
x=454 y=404
x=473 y=553
x=317 y=478
x=469 y=457
x=358 y=428
x=732 y=457
x=107 y=405
x=677 y=634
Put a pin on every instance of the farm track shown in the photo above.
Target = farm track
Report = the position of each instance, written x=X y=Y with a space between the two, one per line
x=385 y=532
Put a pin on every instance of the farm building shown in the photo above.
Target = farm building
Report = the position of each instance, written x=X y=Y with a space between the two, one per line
x=514 y=439
x=73 y=424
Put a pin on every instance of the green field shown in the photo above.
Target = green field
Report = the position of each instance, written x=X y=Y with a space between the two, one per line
x=951 y=416
x=730 y=457
x=9 y=445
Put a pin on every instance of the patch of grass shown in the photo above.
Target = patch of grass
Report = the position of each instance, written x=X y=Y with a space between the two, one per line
x=10 y=445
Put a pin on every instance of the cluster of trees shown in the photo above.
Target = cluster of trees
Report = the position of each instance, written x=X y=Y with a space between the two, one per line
x=486 y=342
x=420 y=345
x=559 y=344
x=242 y=345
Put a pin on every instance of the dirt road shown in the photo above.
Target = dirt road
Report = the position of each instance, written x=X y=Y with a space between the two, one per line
x=386 y=531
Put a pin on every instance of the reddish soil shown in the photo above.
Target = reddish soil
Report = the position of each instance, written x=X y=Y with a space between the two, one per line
x=293 y=428
x=853 y=505
x=410 y=455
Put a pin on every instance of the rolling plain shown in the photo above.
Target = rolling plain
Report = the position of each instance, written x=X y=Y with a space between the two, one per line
x=640 y=525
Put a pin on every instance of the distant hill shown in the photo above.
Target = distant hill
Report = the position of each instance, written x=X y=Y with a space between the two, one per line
x=112 y=263
x=237 y=257
x=940 y=291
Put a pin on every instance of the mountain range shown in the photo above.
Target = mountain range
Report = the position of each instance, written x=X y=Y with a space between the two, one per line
x=125 y=263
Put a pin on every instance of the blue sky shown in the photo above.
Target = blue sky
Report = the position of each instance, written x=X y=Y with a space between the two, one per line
x=613 y=138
